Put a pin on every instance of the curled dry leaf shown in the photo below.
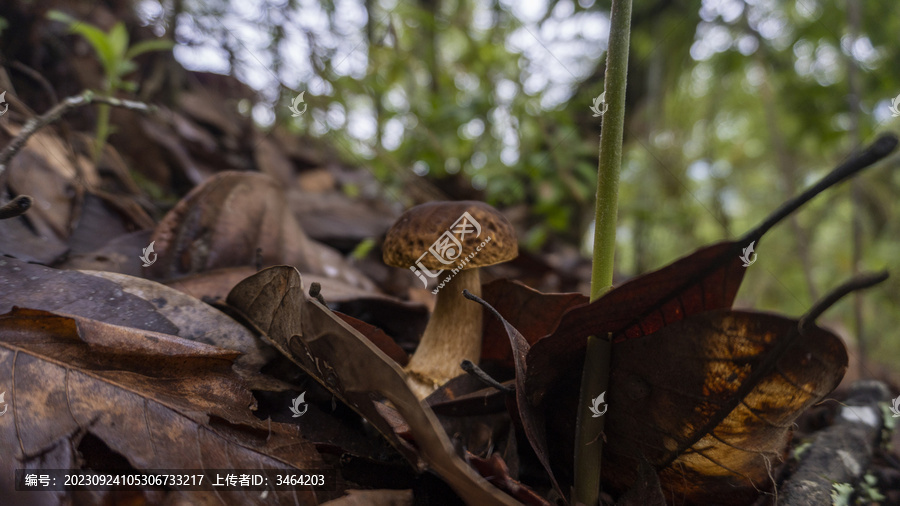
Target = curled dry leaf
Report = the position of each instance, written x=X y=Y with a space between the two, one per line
x=533 y=421
x=354 y=370
x=217 y=283
x=228 y=218
x=222 y=222
x=47 y=170
x=402 y=320
x=156 y=401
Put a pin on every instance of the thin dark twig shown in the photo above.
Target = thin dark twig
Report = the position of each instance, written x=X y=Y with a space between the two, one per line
x=875 y=152
x=258 y=261
x=54 y=100
x=467 y=294
x=470 y=367
x=37 y=77
x=35 y=124
x=15 y=207
x=857 y=283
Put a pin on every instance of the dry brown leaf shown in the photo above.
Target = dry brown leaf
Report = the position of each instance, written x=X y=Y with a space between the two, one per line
x=40 y=234
x=169 y=152
x=98 y=224
x=74 y=293
x=221 y=223
x=118 y=255
x=205 y=108
x=710 y=402
x=197 y=320
x=227 y=219
x=154 y=400
x=272 y=161
x=338 y=220
x=354 y=370
x=707 y=401
x=377 y=337
x=215 y=285
x=536 y=315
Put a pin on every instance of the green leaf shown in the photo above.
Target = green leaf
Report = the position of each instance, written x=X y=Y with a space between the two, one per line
x=125 y=67
x=118 y=40
x=62 y=17
x=840 y=494
x=148 y=46
x=101 y=43
x=362 y=249
x=99 y=40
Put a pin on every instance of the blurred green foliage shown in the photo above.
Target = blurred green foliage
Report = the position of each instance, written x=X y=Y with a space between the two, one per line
x=116 y=56
x=732 y=107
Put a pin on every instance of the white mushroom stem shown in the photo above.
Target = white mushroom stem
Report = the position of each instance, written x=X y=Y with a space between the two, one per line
x=452 y=335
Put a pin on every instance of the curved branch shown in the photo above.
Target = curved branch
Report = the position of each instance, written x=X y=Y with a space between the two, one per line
x=22 y=203
x=33 y=125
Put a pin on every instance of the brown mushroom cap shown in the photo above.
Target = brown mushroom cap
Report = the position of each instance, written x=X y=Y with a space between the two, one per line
x=420 y=226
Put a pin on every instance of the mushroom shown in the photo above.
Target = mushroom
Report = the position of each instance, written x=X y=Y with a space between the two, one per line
x=448 y=241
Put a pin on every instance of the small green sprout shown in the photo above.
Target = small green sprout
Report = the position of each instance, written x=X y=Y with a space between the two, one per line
x=117 y=59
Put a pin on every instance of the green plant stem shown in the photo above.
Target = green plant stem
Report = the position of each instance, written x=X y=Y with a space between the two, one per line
x=589 y=430
x=611 y=149
x=595 y=376
x=103 y=112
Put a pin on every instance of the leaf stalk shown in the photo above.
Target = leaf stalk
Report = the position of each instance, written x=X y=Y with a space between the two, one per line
x=595 y=375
